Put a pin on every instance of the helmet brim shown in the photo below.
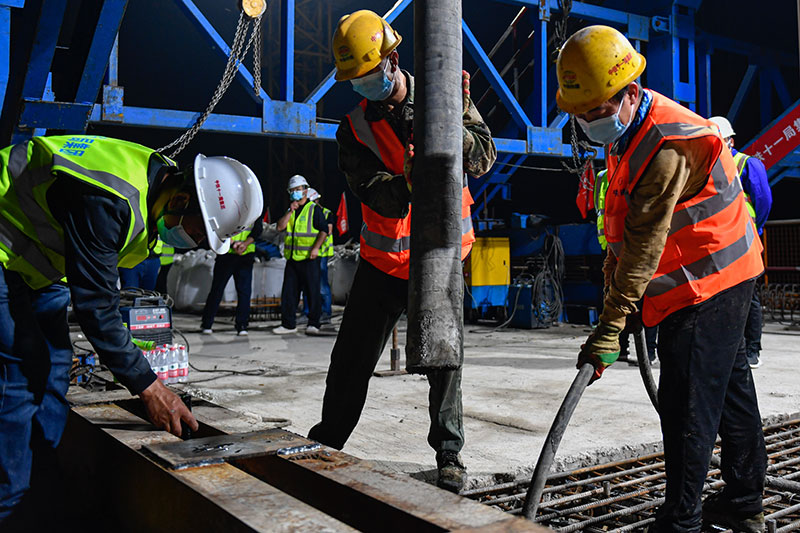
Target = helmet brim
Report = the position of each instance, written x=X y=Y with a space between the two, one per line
x=215 y=243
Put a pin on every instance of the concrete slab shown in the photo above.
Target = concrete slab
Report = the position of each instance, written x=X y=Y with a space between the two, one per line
x=513 y=383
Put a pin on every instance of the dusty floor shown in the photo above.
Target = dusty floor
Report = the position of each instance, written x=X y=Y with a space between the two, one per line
x=513 y=383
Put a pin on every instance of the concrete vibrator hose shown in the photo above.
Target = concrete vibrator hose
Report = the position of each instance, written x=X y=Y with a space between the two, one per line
x=564 y=415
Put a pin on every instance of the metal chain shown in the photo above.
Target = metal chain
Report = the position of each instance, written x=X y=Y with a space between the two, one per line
x=234 y=60
x=579 y=163
x=258 y=47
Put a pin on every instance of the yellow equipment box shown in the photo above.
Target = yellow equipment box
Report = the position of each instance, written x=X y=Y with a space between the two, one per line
x=489 y=262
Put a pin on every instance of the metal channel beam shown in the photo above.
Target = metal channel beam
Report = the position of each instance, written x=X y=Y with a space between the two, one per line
x=213 y=498
x=319 y=490
x=105 y=34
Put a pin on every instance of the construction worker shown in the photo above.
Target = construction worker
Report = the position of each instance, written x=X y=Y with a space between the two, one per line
x=143 y=275
x=238 y=262
x=325 y=253
x=307 y=230
x=166 y=257
x=678 y=236
x=78 y=207
x=758 y=195
x=376 y=157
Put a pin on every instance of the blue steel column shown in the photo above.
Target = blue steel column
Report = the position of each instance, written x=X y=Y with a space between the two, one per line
x=5 y=43
x=103 y=41
x=287 y=51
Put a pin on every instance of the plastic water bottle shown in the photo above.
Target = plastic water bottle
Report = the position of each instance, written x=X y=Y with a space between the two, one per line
x=183 y=364
x=163 y=365
x=173 y=364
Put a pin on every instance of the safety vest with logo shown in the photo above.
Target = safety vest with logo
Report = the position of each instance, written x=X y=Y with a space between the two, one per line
x=243 y=237
x=712 y=244
x=326 y=250
x=740 y=160
x=301 y=234
x=386 y=242
x=600 y=188
x=166 y=252
x=31 y=241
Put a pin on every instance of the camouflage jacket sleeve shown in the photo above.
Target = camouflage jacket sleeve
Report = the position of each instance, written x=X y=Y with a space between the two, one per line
x=387 y=194
x=675 y=174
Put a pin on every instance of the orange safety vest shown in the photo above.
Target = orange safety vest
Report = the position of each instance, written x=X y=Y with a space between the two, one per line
x=386 y=242
x=712 y=243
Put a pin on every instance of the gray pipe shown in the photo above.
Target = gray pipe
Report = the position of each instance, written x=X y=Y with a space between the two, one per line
x=435 y=300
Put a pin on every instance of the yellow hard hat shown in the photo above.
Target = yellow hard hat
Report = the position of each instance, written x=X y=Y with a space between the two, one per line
x=594 y=64
x=362 y=39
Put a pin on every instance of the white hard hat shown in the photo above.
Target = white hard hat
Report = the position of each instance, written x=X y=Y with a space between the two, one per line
x=725 y=128
x=313 y=194
x=296 y=181
x=230 y=198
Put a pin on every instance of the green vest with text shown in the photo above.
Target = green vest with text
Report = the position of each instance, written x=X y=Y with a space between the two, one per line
x=600 y=188
x=31 y=241
x=326 y=250
x=300 y=234
x=740 y=160
x=243 y=237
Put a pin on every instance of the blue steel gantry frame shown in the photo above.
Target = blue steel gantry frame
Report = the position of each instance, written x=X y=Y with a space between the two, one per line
x=674 y=49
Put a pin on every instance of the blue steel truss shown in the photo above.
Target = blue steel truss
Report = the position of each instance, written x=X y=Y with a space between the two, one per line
x=535 y=128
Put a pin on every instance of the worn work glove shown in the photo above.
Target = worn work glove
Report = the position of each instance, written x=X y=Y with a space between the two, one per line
x=465 y=87
x=601 y=349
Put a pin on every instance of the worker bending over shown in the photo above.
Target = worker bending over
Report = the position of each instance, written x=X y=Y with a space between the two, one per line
x=376 y=157
x=76 y=208
x=679 y=235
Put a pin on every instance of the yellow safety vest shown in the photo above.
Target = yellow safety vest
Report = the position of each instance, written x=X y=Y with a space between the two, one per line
x=741 y=159
x=300 y=234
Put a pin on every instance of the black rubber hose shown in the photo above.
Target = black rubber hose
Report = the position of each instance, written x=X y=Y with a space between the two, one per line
x=548 y=452
x=645 y=368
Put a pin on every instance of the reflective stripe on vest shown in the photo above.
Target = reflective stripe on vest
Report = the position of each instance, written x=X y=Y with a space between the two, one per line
x=386 y=242
x=243 y=237
x=300 y=240
x=741 y=160
x=712 y=244
x=167 y=253
x=32 y=242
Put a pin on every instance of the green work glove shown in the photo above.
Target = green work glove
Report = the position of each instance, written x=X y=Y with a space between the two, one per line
x=601 y=349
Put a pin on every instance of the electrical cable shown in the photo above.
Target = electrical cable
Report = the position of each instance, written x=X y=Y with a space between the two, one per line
x=251 y=372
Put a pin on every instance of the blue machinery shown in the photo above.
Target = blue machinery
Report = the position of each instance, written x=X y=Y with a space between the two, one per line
x=679 y=66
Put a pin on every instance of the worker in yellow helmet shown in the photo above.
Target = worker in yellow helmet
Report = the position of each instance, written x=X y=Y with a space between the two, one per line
x=679 y=236
x=376 y=157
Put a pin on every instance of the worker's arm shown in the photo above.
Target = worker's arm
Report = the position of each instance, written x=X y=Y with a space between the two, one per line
x=480 y=152
x=94 y=227
x=321 y=225
x=675 y=173
x=284 y=220
x=756 y=184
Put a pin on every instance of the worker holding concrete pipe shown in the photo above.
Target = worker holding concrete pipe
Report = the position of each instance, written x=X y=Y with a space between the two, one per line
x=679 y=235
x=73 y=209
x=376 y=157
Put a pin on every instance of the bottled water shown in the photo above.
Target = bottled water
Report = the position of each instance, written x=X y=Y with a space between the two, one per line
x=163 y=365
x=183 y=364
x=172 y=356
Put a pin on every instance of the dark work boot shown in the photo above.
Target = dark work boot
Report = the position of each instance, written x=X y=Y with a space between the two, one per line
x=717 y=511
x=452 y=474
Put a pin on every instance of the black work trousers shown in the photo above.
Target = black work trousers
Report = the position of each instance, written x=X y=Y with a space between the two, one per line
x=376 y=302
x=297 y=276
x=706 y=388
x=752 y=331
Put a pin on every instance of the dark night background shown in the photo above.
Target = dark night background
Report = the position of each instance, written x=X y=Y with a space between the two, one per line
x=165 y=62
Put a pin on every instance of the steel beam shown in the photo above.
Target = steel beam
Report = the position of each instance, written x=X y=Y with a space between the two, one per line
x=105 y=35
x=287 y=52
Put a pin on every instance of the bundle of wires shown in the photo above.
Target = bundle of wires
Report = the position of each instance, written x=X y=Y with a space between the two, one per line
x=548 y=297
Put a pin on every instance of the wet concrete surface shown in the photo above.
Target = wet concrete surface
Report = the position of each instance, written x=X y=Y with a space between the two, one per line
x=513 y=383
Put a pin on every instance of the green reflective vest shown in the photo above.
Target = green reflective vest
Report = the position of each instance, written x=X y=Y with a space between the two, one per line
x=600 y=188
x=300 y=234
x=326 y=250
x=740 y=160
x=243 y=237
x=165 y=251
x=31 y=241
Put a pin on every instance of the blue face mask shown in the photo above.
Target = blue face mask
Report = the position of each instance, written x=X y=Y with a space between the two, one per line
x=376 y=86
x=296 y=196
x=175 y=236
x=604 y=130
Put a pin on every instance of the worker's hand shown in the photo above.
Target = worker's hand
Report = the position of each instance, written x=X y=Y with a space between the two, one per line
x=314 y=253
x=408 y=161
x=601 y=349
x=166 y=410
x=239 y=247
x=465 y=89
x=633 y=323
x=293 y=206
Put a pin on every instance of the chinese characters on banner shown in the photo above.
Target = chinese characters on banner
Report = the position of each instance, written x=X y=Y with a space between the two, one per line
x=778 y=141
